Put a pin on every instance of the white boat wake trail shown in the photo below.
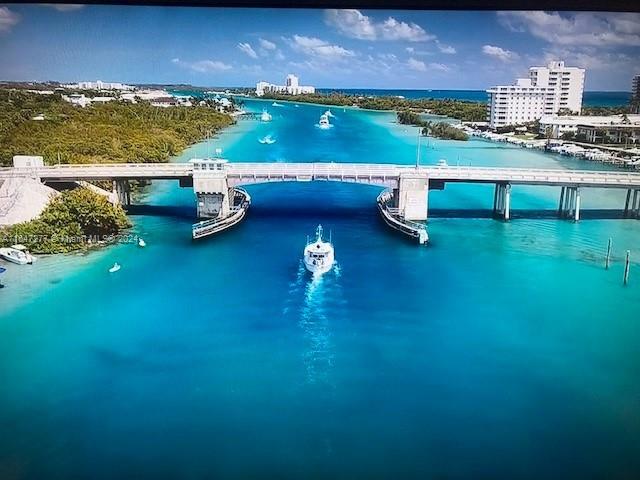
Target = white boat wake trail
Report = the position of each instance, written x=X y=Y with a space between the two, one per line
x=316 y=302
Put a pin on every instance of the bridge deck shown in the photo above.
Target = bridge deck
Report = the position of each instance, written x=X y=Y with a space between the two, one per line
x=255 y=172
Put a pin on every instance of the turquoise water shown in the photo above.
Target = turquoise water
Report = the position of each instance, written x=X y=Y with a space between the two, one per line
x=502 y=350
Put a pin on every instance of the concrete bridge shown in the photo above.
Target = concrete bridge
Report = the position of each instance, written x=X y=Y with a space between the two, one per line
x=214 y=182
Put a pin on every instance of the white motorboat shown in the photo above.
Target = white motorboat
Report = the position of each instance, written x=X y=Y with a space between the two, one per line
x=276 y=104
x=442 y=163
x=324 y=122
x=266 y=116
x=318 y=254
x=142 y=243
x=268 y=140
x=329 y=114
x=115 y=268
x=17 y=254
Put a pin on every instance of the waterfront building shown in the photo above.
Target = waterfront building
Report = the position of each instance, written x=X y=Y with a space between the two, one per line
x=548 y=91
x=553 y=126
x=624 y=133
x=635 y=94
x=99 y=85
x=291 y=87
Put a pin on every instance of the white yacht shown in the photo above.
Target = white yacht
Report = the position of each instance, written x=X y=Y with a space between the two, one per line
x=17 y=254
x=266 y=116
x=318 y=254
x=324 y=122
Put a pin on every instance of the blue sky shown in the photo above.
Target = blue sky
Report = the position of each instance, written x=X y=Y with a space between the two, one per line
x=326 y=48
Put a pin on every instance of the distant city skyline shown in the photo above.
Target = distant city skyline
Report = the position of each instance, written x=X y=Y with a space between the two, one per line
x=325 y=48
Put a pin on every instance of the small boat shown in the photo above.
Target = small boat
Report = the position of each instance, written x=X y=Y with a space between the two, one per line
x=296 y=105
x=442 y=163
x=142 y=243
x=115 y=268
x=276 y=104
x=268 y=140
x=17 y=254
x=329 y=114
x=318 y=254
x=324 y=122
x=266 y=116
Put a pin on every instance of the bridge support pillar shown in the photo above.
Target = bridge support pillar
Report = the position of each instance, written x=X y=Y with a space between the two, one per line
x=212 y=194
x=122 y=192
x=569 y=203
x=632 y=204
x=412 y=195
x=502 y=201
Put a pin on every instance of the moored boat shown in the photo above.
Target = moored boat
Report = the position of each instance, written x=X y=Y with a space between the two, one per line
x=324 y=122
x=17 y=254
x=266 y=116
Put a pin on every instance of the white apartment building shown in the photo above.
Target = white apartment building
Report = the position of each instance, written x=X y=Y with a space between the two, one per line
x=547 y=90
x=291 y=87
x=100 y=85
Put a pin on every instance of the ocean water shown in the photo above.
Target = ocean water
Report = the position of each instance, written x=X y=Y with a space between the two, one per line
x=501 y=350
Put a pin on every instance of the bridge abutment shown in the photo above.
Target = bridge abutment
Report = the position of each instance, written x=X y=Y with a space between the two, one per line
x=502 y=201
x=412 y=195
x=569 y=206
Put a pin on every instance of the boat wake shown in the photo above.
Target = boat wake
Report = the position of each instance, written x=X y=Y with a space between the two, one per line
x=276 y=104
x=315 y=302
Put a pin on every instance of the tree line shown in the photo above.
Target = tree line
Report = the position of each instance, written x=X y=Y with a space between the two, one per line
x=435 y=129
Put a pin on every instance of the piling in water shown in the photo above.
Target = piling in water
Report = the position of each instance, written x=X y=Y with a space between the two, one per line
x=625 y=279
x=607 y=260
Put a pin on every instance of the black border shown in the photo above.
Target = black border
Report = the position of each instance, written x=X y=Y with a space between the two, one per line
x=566 y=5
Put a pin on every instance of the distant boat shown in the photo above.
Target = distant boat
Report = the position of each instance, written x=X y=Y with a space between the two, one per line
x=329 y=114
x=296 y=105
x=268 y=140
x=115 y=268
x=276 y=104
x=142 y=243
x=266 y=116
x=324 y=122
x=442 y=163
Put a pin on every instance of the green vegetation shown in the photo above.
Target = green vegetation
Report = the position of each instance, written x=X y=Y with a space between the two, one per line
x=435 y=129
x=623 y=109
x=72 y=221
x=459 y=109
x=114 y=132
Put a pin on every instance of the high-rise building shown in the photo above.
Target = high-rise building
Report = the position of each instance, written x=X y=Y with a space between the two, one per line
x=292 y=87
x=548 y=91
x=635 y=94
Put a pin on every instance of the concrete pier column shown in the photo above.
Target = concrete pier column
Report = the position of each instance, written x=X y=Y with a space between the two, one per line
x=635 y=204
x=213 y=196
x=561 y=203
x=122 y=192
x=576 y=205
x=413 y=192
x=502 y=201
x=507 y=201
x=626 y=203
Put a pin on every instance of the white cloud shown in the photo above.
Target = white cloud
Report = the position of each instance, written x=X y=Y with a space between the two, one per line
x=352 y=23
x=448 y=49
x=267 y=45
x=246 y=48
x=581 y=29
x=8 y=19
x=202 y=66
x=63 y=7
x=500 y=53
x=416 y=65
x=439 y=66
x=317 y=48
